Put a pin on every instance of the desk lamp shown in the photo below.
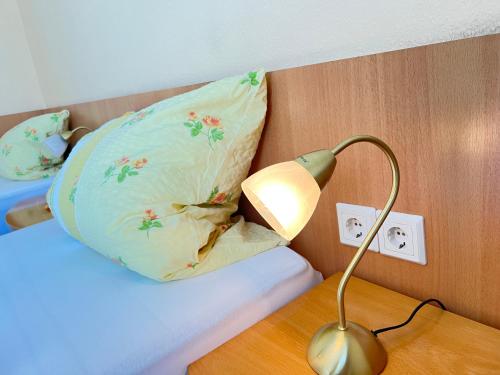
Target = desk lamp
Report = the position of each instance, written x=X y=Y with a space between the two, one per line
x=286 y=195
x=57 y=144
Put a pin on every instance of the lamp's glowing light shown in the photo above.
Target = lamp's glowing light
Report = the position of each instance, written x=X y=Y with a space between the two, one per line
x=285 y=195
x=282 y=200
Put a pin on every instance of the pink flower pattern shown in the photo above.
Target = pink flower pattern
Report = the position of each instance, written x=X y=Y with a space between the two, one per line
x=123 y=168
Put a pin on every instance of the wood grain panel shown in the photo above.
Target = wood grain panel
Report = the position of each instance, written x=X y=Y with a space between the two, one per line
x=94 y=114
x=438 y=107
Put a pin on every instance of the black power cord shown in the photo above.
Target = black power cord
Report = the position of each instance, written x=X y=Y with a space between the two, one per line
x=412 y=315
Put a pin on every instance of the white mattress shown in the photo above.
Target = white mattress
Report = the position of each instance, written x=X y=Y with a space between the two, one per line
x=12 y=192
x=64 y=309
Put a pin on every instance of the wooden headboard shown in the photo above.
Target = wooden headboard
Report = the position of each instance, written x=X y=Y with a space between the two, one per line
x=94 y=114
x=438 y=107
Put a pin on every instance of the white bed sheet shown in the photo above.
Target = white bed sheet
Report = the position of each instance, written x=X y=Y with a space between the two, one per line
x=12 y=192
x=64 y=309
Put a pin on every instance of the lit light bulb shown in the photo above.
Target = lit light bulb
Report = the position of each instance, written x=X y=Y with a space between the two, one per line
x=282 y=201
x=285 y=195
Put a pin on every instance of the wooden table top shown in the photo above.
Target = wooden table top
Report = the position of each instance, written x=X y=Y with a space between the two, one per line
x=434 y=342
x=28 y=212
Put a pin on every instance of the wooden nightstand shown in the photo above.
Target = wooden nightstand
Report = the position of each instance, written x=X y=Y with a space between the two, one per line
x=435 y=342
x=28 y=212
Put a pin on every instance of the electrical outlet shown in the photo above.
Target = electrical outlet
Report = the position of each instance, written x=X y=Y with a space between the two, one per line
x=402 y=236
x=354 y=223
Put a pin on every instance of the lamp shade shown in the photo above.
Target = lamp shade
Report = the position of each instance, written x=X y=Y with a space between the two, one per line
x=285 y=195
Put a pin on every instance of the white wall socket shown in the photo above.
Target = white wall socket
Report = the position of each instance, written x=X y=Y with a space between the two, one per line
x=402 y=236
x=354 y=223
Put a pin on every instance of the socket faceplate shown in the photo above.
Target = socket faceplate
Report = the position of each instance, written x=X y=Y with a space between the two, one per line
x=402 y=236
x=354 y=222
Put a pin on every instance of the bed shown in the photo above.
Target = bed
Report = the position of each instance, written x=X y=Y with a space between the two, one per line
x=12 y=192
x=67 y=310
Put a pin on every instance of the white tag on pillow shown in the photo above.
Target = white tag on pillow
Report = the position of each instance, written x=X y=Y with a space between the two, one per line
x=55 y=145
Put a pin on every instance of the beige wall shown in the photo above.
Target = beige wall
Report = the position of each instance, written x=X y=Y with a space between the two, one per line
x=86 y=50
x=19 y=88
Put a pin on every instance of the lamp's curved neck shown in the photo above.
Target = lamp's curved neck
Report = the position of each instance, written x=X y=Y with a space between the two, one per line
x=378 y=222
x=66 y=135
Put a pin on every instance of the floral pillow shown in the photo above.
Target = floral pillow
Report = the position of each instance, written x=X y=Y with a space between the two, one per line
x=22 y=153
x=154 y=191
x=61 y=195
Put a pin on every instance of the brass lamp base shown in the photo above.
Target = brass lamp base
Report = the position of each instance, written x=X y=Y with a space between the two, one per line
x=354 y=350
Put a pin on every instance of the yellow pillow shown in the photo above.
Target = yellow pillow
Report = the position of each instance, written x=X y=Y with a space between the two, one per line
x=61 y=195
x=155 y=192
x=22 y=153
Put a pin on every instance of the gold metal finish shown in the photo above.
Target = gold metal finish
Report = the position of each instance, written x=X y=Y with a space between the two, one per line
x=378 y=222
x=348 y=348
x=320 y=164
x=66 y=135
x=354 y=350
